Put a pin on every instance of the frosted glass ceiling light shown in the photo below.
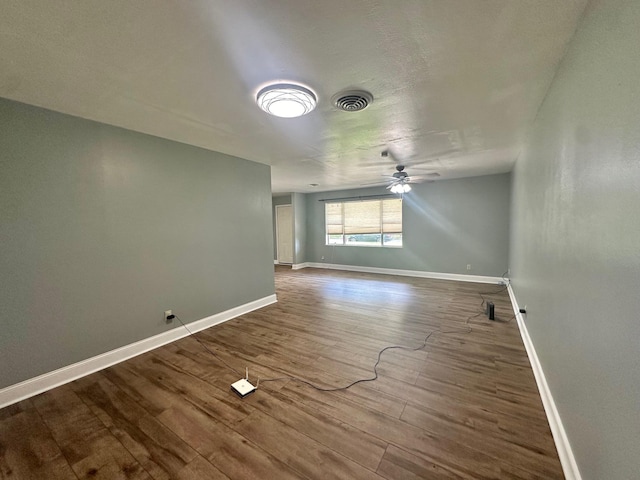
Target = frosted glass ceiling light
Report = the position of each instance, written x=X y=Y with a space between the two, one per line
x=401 y=188
x=286 y=100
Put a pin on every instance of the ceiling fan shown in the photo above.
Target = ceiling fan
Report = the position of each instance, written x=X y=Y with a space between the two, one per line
x=430 y=161
x=399 y=181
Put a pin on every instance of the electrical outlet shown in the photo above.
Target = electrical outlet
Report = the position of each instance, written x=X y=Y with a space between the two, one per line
x=322 y=258
x=468 y=266
x=508 y=271
x=167 y=314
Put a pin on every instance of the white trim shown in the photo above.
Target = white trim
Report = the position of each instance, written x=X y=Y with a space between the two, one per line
x=568 y=461
x=407 y=273
x=276 y=262
x=47 y=381
x=298 y=266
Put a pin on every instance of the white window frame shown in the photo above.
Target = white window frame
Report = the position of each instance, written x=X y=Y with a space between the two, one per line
x=381 y=232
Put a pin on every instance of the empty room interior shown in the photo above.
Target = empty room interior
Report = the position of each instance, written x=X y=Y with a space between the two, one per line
x=365 y=239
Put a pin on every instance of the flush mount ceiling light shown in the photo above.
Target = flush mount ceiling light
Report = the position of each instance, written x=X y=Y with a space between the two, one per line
x=286 y=100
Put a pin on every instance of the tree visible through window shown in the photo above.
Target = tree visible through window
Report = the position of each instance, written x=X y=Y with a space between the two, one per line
x=370 y=223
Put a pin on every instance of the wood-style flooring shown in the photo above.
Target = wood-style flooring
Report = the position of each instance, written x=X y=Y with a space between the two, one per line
x=466 y=406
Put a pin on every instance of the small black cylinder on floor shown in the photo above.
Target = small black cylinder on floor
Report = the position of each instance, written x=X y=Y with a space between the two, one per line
x=491 y=311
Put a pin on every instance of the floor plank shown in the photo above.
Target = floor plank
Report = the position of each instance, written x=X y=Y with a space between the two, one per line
x=229 y=451
x=398 y=464
x=299 y=451
x=27 y=449
x=341 y=437
x=465 y=406
x=161 y=453
x=89 y=447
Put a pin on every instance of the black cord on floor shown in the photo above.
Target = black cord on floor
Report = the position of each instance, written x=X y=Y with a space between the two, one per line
x=467 y=330
x=362 y=380
x=502 y=289
x=293 y=378
x=207 y=348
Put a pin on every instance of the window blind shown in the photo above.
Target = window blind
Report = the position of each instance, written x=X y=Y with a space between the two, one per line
x=333 y=214
x=362 y=217
x=392 y=216
x=347 y=222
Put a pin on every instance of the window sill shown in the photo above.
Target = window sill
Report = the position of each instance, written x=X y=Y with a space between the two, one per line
x=365 y=246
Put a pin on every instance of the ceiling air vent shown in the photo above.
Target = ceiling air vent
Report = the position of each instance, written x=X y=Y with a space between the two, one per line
x=352 y=100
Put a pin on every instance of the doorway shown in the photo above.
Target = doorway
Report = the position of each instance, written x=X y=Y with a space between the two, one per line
x=284 y=233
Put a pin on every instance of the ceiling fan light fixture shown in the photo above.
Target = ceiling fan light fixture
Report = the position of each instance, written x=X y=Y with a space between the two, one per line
x=400 y=188
x=286 y=100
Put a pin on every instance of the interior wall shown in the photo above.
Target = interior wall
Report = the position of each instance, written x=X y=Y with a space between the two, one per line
x=299 y=228
x=103 y=229
x=575 y=243
x=279 y=200
x=447 y=225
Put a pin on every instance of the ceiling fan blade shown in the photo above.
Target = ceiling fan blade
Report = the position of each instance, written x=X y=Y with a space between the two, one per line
x=384 y=162
x=432 y=158
x=388 y=156
x=420 y=178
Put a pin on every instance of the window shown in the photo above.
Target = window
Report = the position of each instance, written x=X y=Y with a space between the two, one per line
x=370 y=223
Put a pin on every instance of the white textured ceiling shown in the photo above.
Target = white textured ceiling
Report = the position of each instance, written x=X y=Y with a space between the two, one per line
x=456 y=83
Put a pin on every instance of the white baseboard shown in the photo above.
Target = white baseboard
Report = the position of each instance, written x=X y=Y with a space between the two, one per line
x=47 y=381
x=568 y=461
x=276 y=262
x=298 y=266
x=406 y=273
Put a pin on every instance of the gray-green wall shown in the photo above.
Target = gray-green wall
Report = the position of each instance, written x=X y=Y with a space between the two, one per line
x=446 y=225
x=575 y=243
x=299 y=203
x=103 y=229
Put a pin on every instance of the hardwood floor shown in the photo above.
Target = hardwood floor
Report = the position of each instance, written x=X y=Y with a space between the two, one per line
x=466 y=406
